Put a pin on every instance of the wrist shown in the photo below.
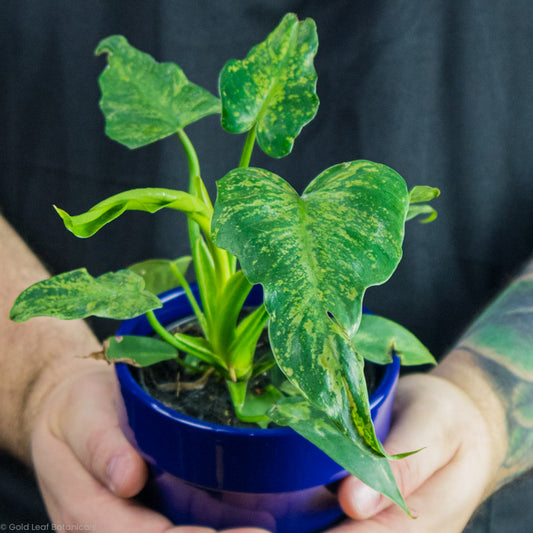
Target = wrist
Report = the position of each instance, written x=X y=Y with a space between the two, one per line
x=65 y=348
x=460 y=369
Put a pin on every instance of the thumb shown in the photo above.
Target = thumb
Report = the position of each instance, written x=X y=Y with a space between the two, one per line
x=414 y=426
x=87 y=421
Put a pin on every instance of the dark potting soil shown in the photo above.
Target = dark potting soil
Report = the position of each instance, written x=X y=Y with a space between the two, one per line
x=209 y=402
x=208 y=399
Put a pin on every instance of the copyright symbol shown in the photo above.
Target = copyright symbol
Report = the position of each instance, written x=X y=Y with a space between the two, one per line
x=3 y=527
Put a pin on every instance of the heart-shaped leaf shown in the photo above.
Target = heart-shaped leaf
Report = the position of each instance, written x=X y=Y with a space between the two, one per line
x=143 y=100
x=377 y=338
x=273 y=88
x=315 y=256
x=76 y=294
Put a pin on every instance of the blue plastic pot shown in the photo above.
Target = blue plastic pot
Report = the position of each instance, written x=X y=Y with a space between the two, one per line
x=222 y=477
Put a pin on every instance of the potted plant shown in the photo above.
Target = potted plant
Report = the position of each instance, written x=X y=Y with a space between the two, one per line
x=303 y=264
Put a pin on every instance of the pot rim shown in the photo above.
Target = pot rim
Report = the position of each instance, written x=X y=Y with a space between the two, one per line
x=125 y=377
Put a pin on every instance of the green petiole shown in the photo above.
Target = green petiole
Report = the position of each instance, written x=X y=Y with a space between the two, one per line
x=248 y=148
x=190 y=296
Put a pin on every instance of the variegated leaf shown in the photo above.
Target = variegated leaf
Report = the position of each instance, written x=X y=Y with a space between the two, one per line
x=76 y=294
x=315 y=255
x=273 y=88
x=359 y=460
x=143 y=100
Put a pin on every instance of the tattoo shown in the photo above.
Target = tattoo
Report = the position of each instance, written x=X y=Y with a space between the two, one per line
x=501 y=340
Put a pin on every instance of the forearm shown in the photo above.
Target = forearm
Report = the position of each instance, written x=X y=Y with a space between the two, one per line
x=35 y=355
x=493 y=363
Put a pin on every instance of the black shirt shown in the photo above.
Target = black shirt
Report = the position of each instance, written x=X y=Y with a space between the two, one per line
x=440 y=91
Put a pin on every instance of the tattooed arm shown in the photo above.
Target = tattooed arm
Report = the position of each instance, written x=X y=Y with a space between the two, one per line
x=473 y=414
x=500 y=343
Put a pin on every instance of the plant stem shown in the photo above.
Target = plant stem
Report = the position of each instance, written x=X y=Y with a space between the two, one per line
x=248 y=148
x=194 y=170
x=197 y=189
x=192 y=159
x=190 y=296
x=225 y=262
x=184 y=345
x=161 y=330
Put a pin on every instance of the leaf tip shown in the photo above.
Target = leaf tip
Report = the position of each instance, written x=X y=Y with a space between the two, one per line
x=14 y=314
x=110 y=44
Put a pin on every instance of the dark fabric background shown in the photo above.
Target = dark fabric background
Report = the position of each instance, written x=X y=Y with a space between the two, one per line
x=440 y=91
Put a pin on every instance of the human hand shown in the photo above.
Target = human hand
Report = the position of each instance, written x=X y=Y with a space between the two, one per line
x=446 y=481
x=86 y=468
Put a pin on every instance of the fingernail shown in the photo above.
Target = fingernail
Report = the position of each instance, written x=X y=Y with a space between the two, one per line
x=117 y=471
x=365 y=500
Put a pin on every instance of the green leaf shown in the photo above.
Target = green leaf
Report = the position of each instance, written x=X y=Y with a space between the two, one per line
x=229 y=305
x=423 y=193
x=258 y=404
x=419 y=194
x=273 y=88
x=206 y=276
x=247 y=335
x=138 y=351
x=378 y=337
x=143 y=100
x=315 y=256
x=252 y=406
x=149 y=200
x=237 y=390
x=158 y=274
x=416 y=210
x=199 y=348
x=355 y=457
x=76 y=294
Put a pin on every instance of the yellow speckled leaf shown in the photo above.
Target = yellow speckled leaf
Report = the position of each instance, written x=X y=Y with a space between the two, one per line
x=143 y=100
x=273 y=88
x=354 y=456
x=315 y=255
x=76 y=294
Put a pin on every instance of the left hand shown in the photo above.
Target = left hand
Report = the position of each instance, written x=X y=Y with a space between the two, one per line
x=446 y=481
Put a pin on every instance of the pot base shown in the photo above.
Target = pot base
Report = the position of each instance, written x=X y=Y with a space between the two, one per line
x=304 y=511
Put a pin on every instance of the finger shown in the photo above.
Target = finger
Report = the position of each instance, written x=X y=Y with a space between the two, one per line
x=441 y=504
x=75 y=498
x=87 y=422
x=424 y=417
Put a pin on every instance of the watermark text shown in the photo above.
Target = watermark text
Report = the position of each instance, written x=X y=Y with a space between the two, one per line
x=47 y=527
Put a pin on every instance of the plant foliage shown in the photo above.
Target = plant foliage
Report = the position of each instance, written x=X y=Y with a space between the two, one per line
x=315 y=254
